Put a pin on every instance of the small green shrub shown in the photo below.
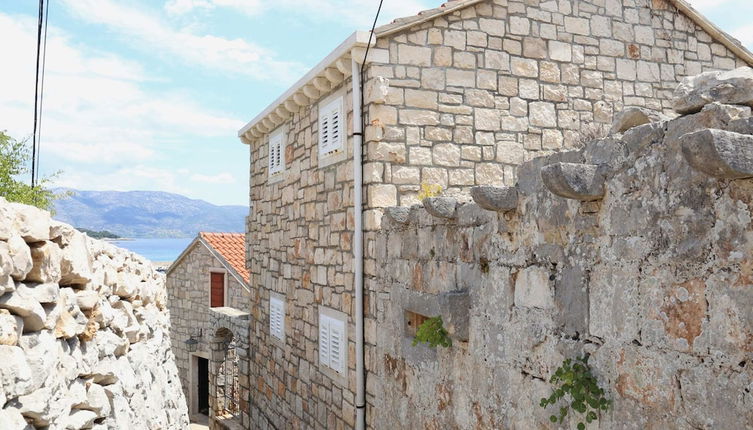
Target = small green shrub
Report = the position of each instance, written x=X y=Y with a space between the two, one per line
x=432 y=332
x=584 y=394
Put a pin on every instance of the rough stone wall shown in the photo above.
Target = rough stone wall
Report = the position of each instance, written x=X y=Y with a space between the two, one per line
x=191 y=316
x=463 y=99
x=299 y=234
x=651 y=277
x=84 y=332
x=459 y=101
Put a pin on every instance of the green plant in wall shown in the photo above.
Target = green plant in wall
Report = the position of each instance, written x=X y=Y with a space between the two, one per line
x=580 y=390
x=432 y=332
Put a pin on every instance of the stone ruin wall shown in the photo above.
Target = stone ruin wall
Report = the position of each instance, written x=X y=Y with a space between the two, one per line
x=84 y=332
x=646 y=264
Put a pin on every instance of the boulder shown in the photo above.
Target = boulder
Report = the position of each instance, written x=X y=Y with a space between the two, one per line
x=398 y=214
x=44 y=405
x=26 y=307
x=634 y=116
x=76 y=263
x=87 y=299
x=574 y=180
x=15 y=373
x=46 y=257
x=729 y=87
x=80 y=419
x=441 y=207
x=43 y=293
x=7 y=217
x=31 y=223
x=718 y=153
x=11 y=419
x=42 y=351
x=62 y=233
x=9 y=328
x=20 y=255
x=495 y=198
x=6 y=269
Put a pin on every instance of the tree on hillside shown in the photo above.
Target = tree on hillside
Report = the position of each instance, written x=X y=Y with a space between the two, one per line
x=15 y=156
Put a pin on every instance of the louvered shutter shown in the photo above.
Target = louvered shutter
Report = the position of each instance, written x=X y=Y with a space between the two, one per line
x=276 y=318
x=331 y=127
x=276 y=155
x=338 y=345
x=324 y=356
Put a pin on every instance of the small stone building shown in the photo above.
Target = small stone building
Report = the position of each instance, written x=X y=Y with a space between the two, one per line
x=457 y=96
x=208 y=291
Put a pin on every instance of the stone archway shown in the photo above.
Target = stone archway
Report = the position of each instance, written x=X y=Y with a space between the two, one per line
x=228 y=357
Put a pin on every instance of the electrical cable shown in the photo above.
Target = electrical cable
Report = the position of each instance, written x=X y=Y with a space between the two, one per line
x=41 y=89
x=36 y=97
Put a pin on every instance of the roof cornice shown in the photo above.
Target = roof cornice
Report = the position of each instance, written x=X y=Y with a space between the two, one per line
x=331 y=71
x=715 y=32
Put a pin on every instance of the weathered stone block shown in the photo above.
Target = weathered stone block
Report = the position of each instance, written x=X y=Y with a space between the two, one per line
x=574 y=181
x=730 y=87
x=719 y=153
x=495 y=198
x=533 y=288
x=441 y=207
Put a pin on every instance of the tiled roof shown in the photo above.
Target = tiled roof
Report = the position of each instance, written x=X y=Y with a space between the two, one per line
x=232 y=247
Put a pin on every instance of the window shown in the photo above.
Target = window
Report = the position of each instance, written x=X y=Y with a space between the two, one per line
x=277 y=317
x=333 y=341
x=216 y=289
x=276 y=152
x=331 y=127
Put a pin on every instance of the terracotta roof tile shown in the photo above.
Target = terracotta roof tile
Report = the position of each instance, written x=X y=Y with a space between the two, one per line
x=232 y=247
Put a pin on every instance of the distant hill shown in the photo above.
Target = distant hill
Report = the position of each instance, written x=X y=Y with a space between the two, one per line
x=147 y=214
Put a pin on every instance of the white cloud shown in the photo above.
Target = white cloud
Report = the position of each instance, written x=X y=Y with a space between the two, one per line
x=745 y=35
x=358 y=13
x=96 y=110
x=138 y=177
x=220 y=178
x=154 y=34
x=706 y=5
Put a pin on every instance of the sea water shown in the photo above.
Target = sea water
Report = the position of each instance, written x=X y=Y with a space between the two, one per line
x=157 y=250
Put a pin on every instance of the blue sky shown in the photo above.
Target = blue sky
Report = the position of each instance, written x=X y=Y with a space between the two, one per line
x=149 y=94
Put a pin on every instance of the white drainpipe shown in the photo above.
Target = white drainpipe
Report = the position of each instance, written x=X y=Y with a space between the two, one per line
x=358 y=243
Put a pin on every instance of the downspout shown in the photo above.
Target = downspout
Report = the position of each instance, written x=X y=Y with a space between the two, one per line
x=358 y=241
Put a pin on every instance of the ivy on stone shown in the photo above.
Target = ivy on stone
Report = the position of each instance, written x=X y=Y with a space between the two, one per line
x=432 y=332
x=575 y=380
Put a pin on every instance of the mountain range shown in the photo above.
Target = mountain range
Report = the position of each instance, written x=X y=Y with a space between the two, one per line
x=147 y=214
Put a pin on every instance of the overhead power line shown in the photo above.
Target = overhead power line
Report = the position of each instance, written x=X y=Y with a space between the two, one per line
x=44 y=11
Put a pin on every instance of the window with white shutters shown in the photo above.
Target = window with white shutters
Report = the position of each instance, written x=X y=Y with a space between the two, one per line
x=331 y=127
x=276 y=152
x=333 y=342
x=277 y=318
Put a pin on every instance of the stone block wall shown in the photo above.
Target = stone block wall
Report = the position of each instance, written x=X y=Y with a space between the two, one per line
x=464 y=98
x=299 y=233
x=84 y=331
x=645 y=267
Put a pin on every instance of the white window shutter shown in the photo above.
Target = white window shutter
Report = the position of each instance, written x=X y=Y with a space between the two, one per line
x=276 y=318
x=276 y=153
x=335 y=118
x=331 y=127
x=324 y=352
x=338 y=345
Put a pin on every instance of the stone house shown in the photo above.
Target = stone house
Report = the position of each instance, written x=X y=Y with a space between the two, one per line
x=457 y=96
x=209 y=300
